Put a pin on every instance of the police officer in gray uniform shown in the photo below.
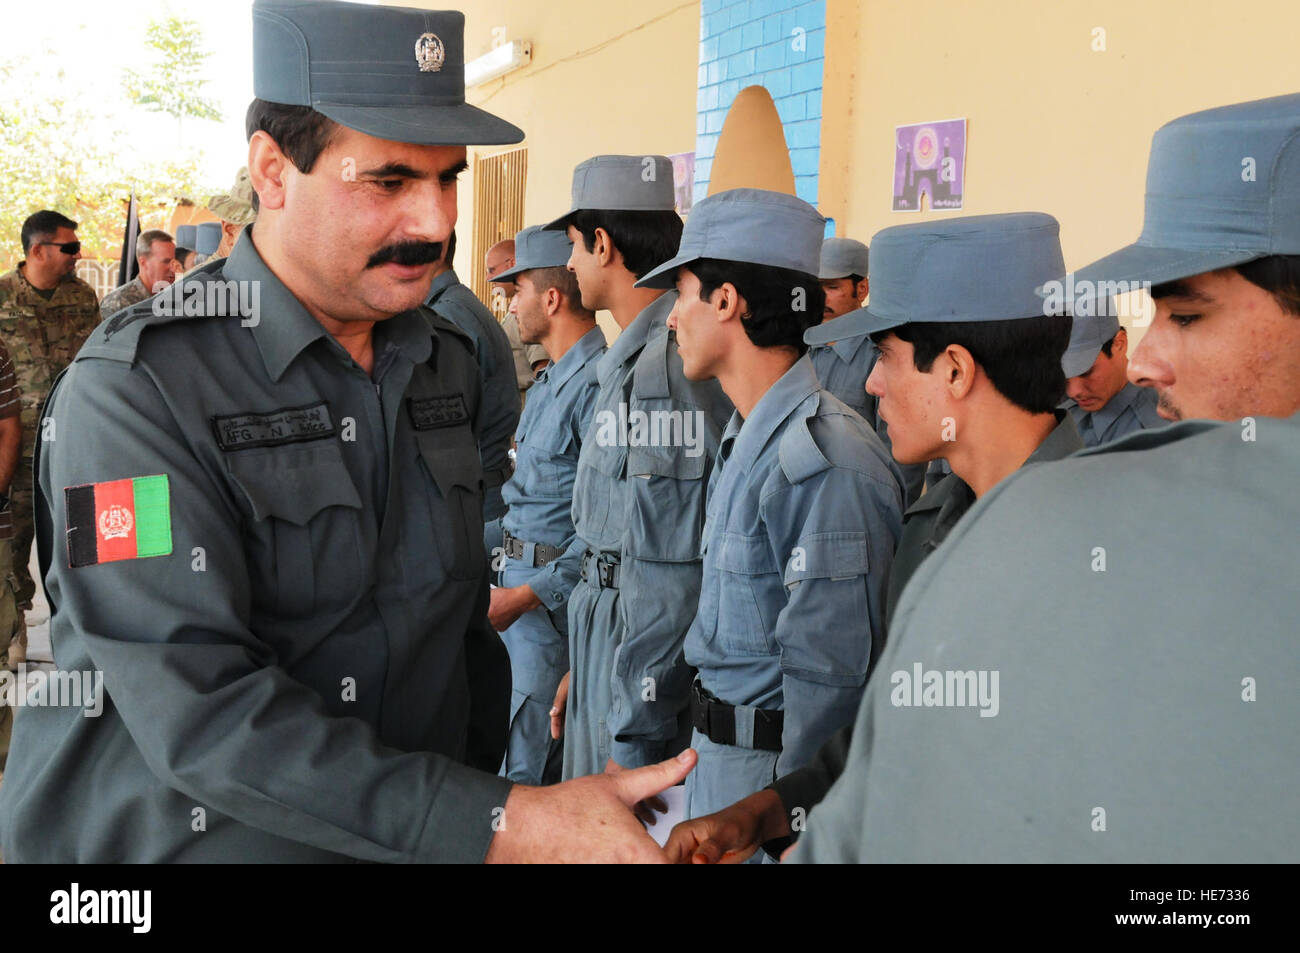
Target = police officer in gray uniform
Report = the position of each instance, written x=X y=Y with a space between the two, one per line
x=1179 y=608
x=1104 y=403
x=501 y=407
x=840 y=347
x=262 y=526
x=540 y=565
x=933 y=310
x=804 y=508
x=638 y=501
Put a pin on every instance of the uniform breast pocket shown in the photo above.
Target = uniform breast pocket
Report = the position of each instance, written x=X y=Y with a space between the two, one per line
x=548 y=453
x=305 y=545
x=449 y=460
x=748 y=587
x=667 y=513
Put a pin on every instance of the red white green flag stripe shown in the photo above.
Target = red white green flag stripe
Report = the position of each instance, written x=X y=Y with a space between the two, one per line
x=121 y=519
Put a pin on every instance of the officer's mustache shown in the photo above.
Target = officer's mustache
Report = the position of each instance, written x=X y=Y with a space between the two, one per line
x=407 y=253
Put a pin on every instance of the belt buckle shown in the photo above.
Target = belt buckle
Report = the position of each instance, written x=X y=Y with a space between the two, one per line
x=702 y=703
x=606 y=571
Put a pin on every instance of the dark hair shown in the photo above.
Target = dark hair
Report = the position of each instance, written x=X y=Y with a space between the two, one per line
x=1022 y=358
x=300 y=131
x=1279 y=275
x=182 y=253
x=563 y=281
x=449 y=249
x=1106 y=348
x=644 y=239
x=41 y=226
x=771 y=294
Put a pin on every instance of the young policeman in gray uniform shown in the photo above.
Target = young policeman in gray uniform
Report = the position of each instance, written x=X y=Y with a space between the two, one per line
x=540 y=565
x=501 y=405
x=841 y=350
x=638 y=501
x=804 y=508
x=1180 y=607
x=263 y=526
x=933 y=309
x=1104 y=403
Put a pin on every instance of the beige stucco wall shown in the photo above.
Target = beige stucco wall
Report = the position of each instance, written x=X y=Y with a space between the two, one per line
x=1052 y=125
x=604 y=77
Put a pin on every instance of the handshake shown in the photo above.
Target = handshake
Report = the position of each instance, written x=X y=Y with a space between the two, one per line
x=600 y=819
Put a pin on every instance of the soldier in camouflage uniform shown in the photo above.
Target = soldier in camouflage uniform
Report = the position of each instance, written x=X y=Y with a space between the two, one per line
x=155 y=251
x=46 y=313
x=236 y=211
x=13 y=634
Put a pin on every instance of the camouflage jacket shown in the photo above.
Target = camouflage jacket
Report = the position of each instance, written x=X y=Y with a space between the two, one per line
x=122 y=298
x=43 y=336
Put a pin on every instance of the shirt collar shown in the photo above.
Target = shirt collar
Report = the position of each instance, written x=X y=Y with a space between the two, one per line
x=1060 y=443
x=441 y=284
x=752 y=433
x=1107 y=415
x=633 y=337
x=575 y=358
x=848 y=348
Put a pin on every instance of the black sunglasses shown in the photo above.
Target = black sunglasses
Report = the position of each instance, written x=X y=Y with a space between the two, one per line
x=68 y=248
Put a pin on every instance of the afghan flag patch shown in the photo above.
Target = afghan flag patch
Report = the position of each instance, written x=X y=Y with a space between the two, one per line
x=121 y=519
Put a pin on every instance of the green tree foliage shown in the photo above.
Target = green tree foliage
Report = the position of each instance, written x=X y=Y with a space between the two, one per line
x=173 y=82
x=56 y=154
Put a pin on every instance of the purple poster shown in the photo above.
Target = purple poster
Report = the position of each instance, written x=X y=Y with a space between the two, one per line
x=929 y=165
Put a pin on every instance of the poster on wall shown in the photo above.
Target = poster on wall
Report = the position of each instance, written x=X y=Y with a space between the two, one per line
x=684 y=180
x=929 y=165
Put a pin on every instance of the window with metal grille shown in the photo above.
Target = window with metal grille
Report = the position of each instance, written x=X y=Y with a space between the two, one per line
x=499 y=182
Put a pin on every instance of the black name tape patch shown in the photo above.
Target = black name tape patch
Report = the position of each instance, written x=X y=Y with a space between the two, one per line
x=431 y=413
x=276 y=427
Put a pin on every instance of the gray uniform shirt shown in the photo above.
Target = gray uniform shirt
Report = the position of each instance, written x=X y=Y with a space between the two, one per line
x=499 y=415
x=551 y=432
x=641 y=496
x=804 y=514
x=296 y=663
x=1146 y=661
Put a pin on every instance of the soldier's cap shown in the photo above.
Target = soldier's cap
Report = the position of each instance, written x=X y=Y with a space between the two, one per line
x=1087 y=335
x=536 y=247
x=974 y=268
x=235 y=206
x=747 y=225
x=842 y=257
x=391 y=72
x=1223 y=188
x=621 y=183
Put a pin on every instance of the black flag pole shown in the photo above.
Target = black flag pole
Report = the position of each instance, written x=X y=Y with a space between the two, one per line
x=129 y=267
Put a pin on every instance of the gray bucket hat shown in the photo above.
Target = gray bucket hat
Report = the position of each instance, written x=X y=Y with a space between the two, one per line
x=975 y=268
x=1223 y=188
x=391 y=72
x=842 y=257
x=747 y=225
x=537 y=247
x=622 y=183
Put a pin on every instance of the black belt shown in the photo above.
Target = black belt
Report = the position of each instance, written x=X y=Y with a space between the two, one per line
x=600 y=570
x=716 y=720
x=542 y=553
